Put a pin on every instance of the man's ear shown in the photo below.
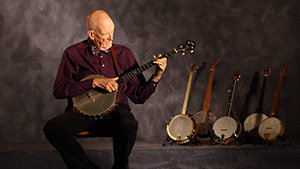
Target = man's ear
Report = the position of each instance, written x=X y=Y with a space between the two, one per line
x=91 y=34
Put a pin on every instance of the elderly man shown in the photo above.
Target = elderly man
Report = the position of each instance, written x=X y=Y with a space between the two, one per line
x=98 y=55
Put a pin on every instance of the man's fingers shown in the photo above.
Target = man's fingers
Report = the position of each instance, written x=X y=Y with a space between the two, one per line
x=108 y=84
x=162 y=63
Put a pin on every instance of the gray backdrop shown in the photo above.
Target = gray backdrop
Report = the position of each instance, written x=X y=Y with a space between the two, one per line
x=246 y=36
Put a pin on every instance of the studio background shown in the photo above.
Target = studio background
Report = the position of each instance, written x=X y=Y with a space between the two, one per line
x=246 y=36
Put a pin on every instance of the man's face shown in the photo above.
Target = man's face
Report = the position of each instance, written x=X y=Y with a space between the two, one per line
x=104 y=35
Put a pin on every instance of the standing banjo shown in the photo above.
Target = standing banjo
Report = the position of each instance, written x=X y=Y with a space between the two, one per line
x=228 y=128
x=253 y=121
x=205 y=118
x=98 y=102
x=183 y=127
x=272 y=127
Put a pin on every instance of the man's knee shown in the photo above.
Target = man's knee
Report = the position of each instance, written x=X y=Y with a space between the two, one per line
x=48 y=129
x=129 y=123
x=53 y=128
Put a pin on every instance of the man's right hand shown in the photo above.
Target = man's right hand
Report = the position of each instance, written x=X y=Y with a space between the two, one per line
x=108 y=84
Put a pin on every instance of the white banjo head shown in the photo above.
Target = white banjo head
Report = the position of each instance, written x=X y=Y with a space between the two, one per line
x=181 y=128
x=270 y=128
x=252 y=123
x=225 y=127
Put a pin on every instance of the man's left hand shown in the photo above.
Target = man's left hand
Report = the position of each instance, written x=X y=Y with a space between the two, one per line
x=160 y=68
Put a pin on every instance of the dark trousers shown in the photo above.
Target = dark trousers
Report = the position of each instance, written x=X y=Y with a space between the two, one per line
x=120 y=123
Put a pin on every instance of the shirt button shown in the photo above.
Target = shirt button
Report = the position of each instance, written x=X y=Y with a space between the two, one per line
x=103 y=65
x=101 y=56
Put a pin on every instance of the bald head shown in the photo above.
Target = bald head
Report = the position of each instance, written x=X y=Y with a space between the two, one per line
x=96 y=19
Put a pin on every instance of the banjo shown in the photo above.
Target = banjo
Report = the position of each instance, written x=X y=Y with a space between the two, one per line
x=272 y=127
x=228 y=128
x=253 y=121
x=205 y=118
x=183 y=127
x=98 y=102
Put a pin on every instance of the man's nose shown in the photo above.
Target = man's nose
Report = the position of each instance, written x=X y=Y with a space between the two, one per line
x=111 y=36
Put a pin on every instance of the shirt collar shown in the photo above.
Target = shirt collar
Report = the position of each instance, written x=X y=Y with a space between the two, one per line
x=95 y=50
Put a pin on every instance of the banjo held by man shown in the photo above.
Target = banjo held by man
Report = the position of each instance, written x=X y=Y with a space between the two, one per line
x=98 y=102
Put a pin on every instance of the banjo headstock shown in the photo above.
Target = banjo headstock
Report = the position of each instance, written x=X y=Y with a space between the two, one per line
x=237 y=76
x=215 y=64
x=267 y=71
x=189 y=45
x=194 y=67
x=283 y=72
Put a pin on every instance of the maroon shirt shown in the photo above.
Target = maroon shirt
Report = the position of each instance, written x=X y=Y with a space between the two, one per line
x=84 y=58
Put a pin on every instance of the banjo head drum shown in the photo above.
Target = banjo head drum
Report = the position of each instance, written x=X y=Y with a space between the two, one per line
x=182 y=128
x=252 y=123
x=271 y=128
x=95 y=102
x=205 y=124
x=226 y=129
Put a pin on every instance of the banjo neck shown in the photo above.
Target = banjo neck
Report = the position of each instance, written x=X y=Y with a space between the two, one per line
x=236 y=78
x=190 y=45
x=206 y=102
x=262 y=93
x=277 y=92
x=194 y=67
